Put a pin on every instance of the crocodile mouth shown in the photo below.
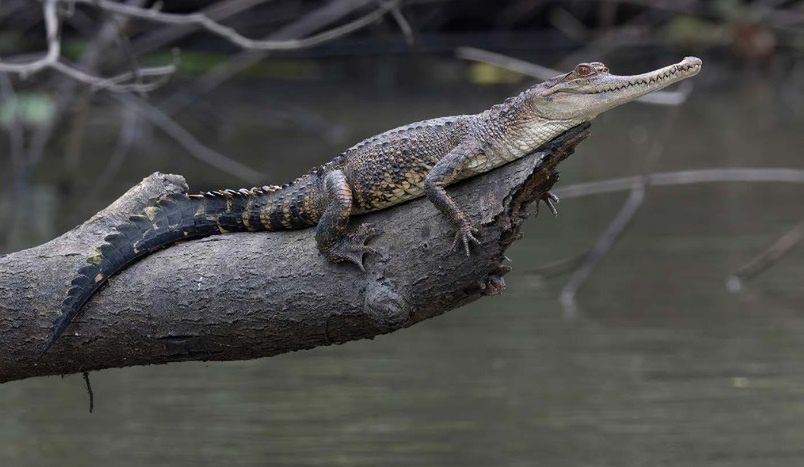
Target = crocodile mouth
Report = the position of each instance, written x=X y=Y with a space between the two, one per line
x=654 y=80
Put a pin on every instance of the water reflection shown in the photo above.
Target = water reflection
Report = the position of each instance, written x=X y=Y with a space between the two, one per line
x=661 y=367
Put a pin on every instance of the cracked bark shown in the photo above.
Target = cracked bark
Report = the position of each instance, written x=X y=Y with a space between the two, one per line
x=251 y=295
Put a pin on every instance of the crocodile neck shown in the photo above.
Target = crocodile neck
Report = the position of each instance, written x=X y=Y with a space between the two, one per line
x=512 y=130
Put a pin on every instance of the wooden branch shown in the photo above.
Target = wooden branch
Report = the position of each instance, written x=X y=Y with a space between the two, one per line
x=250 y=295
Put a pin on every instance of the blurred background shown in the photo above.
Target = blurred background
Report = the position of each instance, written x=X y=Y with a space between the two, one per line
x=659 y=320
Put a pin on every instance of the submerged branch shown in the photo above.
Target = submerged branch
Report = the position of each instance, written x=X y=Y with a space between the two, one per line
x=607 y=240
x=767 y=258
x=686 y=177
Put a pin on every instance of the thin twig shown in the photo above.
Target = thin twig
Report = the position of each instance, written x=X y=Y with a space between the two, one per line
x=559 y=267
x=543 y=73
x=189 y=142
x=403 y=24
x=610 y=236
x=767 y=258
x=684 y=177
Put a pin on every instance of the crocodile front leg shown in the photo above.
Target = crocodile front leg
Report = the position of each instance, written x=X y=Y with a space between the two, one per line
x=331 y=235
x=446 y=171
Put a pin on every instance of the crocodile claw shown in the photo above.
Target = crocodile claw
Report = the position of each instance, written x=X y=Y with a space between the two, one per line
x=465 y=234
x=352 y=247
x=551 y=201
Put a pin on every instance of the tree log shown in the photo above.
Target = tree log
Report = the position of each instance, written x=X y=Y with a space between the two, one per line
x=249 y=295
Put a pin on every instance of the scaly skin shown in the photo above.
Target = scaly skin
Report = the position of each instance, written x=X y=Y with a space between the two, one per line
x=408 y=162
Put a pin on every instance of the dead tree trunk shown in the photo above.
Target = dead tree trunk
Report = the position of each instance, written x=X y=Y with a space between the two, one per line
x=250 y=295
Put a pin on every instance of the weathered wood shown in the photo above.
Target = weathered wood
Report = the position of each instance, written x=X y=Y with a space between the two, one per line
x=250 y=295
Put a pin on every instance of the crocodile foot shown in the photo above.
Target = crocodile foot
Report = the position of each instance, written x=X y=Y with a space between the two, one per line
x=352 y=247
x=466 y=235
x=550 y=200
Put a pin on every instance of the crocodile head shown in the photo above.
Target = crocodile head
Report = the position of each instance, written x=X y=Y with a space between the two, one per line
x=590 y=89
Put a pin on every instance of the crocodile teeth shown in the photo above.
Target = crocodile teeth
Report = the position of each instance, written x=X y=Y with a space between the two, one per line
x=651 y=80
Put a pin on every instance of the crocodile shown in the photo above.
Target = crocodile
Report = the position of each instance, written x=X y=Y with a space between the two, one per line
x=415 y=160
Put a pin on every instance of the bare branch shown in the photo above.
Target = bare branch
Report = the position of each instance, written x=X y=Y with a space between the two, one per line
x=52 y=60
x=320 y=18
x=53 y=45
x=205 y=22
x=163 y=36
x=543 y=73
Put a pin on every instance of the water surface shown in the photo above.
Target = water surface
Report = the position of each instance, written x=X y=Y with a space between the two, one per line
x=662 y=366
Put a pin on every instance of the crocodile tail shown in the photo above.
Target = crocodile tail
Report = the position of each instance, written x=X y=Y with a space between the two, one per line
x=173 y=218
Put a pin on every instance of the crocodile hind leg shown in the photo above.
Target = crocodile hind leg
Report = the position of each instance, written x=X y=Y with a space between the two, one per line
x=331 y=235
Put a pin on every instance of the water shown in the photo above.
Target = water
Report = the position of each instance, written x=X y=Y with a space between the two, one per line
x=662 y=366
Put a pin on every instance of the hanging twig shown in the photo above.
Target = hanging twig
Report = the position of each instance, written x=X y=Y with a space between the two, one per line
x=90 y=394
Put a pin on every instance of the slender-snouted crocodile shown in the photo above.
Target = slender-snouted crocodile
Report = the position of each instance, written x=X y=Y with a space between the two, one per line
x=388 y=169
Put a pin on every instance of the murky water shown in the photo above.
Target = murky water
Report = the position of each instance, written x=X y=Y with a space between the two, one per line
x=662 y=366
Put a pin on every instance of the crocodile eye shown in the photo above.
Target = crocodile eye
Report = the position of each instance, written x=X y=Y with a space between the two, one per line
x=584 y=70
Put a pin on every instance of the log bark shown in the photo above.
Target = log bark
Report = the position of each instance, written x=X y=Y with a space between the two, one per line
x=251 y=295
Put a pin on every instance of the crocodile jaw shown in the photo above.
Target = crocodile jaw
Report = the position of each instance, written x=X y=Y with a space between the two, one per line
x=583 y=99
x=612 y=90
